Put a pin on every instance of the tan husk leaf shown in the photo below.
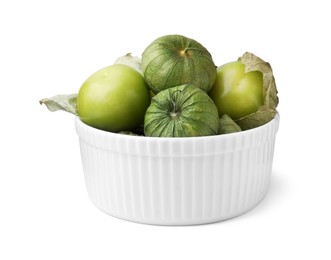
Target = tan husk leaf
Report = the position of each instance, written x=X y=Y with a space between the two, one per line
x=66 y=103
x=268 y=110
x=129 y=60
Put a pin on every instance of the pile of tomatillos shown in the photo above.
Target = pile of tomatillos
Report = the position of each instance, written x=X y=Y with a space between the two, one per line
x=175 y=90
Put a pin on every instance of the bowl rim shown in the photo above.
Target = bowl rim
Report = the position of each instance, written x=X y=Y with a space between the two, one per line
x=272 y=123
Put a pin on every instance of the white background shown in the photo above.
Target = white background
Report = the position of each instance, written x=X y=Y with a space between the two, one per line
x=51 y=47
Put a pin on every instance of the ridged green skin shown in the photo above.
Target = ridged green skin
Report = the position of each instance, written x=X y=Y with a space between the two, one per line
x=182 y=111
x=173 y=60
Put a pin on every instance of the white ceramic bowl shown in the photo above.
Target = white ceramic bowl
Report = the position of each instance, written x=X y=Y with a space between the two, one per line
x=177 y=181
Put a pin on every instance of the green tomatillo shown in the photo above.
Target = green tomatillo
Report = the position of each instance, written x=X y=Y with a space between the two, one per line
x=246 y=91
x=174 y=60
x=235 y=92
x=181 y=111
x=114 y=99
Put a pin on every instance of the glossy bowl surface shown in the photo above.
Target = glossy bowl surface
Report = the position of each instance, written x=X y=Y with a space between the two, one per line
x=177 y=181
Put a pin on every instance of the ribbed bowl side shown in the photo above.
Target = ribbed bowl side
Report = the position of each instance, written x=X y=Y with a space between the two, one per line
x=177 y=182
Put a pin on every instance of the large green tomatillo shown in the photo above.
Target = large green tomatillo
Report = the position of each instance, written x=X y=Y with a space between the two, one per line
x=173 y=60
x=236 y=93
x=114 y=99
x=181 y=111
x=246 y=91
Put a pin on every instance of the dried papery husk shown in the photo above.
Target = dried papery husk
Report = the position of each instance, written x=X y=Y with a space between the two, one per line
x=267 y=111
